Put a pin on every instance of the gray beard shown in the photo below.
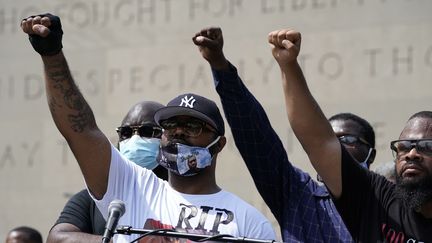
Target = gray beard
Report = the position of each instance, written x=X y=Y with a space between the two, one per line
x=414 y=193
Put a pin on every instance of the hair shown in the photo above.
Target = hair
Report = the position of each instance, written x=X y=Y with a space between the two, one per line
x=366 y=128
x=32 y=234
x=421 y=114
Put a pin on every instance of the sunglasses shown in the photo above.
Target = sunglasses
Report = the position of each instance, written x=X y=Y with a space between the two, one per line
x=146 y=131
x=192 y=128
x=352 y=140
x=402 y=147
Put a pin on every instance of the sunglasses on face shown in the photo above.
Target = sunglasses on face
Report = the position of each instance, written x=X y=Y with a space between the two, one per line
x=352 y=140
x=191 y=128
x=402 y=147
x=146 y=131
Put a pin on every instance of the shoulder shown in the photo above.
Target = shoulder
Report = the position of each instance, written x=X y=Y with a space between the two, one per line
x=380 y=183
x=80 y=199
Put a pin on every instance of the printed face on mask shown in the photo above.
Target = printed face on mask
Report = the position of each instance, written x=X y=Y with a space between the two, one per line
x=185 y=160
x=185 y=145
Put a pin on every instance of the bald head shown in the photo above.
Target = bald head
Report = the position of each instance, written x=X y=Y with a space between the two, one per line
x=141 y=113
x=24 y=235
x=418 y=126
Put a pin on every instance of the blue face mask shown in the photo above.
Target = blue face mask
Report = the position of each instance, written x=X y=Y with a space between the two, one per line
x=185 y=160
x=141 y=151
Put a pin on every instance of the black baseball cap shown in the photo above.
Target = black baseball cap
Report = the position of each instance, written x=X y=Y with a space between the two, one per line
x=195 y=106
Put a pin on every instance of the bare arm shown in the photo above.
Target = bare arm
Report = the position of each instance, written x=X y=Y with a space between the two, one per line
x=307 y=120
x=69 y=233
x=72 y=114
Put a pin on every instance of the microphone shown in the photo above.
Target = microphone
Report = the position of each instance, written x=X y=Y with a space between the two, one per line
x=116 y=209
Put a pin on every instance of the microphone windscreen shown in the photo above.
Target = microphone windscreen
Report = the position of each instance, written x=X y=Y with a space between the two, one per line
x=117 y=205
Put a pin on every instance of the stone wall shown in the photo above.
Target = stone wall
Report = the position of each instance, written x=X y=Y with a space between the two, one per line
x=371 y=58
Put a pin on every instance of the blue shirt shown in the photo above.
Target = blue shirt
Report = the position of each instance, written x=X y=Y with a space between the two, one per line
x=302 y=207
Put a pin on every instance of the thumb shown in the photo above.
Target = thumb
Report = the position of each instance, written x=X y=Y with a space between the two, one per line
x=40 y=30
x=204 y=41
x=287 y=44
x=199 y=40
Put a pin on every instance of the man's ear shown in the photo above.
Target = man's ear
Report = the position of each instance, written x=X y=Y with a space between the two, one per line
x=372 y=157
x=220 y=144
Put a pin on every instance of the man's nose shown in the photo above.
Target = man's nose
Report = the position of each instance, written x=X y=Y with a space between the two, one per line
x=178 y=131
x=413 y=155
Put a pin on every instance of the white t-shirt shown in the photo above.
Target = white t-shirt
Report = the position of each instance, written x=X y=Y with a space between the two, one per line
x=152 y=203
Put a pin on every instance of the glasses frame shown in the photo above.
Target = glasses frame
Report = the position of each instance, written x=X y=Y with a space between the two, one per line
x=136 y=128
x=413 y=144
x=362 y=140
x=185 y=129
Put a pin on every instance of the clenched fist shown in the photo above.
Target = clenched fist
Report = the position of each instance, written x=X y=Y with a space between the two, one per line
x=45 y=33
x=285 y=45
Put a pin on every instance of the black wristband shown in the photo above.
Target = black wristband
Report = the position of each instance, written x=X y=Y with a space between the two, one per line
x=52 y=44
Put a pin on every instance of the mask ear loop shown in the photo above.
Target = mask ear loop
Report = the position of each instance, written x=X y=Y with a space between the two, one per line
x=213 y=143
x=364 y=163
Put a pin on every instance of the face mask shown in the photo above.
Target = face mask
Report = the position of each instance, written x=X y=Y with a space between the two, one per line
x=364 y=163
x=185 y=160
x=141 y=151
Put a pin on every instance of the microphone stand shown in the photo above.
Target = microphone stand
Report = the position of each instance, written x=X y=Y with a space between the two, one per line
x=128 y=230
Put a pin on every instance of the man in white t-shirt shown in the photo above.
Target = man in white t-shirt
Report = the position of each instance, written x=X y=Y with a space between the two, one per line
x=190 y=201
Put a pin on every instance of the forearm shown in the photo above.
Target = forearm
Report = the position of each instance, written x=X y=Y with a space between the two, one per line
x=73 y=237
x=243 y=112
x=251 y=129
x=69 y=109
x=71 y=233
x=302 y=109
x=311 y=127
x=75 y=120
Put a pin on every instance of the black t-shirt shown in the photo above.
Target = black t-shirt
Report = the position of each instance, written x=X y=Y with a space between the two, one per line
x=371 y=210
x=82 y=212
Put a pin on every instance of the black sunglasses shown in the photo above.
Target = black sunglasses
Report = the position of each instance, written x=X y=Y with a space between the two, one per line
x=352 y=140
x=402 y=147
x=146 y=131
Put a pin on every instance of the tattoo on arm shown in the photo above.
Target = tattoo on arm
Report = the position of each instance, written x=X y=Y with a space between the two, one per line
x=81 y=115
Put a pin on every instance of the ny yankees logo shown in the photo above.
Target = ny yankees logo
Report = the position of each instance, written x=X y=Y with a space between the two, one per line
x=187 y=102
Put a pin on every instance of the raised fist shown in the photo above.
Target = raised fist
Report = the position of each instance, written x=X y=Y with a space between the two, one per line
x=285 y=45
x=210 y=43
x=45 y=33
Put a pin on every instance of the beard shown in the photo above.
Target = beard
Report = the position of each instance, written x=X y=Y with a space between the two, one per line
x=415 y=192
